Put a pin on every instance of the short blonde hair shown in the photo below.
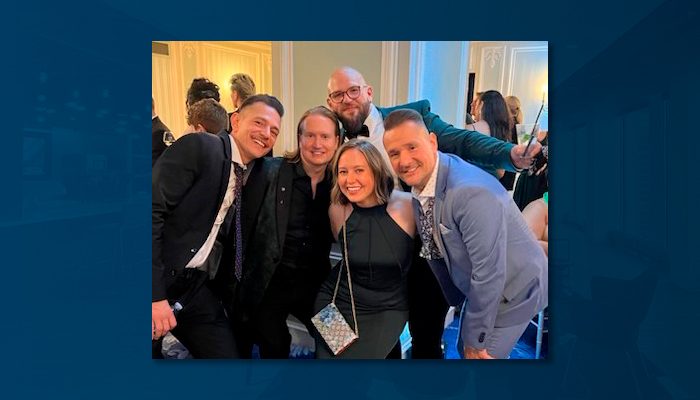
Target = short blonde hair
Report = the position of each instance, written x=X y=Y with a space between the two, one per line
x=514 y=108
x=383 y=180
x=243 y=84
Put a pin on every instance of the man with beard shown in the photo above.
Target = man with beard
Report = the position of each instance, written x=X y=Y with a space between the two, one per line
x=287 y=237
x=350 y=97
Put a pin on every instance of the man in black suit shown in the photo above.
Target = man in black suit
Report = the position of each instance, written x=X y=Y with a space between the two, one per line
x=195 y=184
x=159 y=129
x=287 y=229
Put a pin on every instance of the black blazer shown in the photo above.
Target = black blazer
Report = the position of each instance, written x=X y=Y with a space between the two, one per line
x=189 y=183
x=158 y=146
x=266 y=209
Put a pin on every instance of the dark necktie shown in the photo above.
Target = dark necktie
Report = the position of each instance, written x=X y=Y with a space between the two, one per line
x=364 y=131
x=238 y=264
x=429 y=249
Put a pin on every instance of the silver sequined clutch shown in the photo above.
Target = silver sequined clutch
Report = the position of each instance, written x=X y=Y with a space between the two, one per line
x=334 y=329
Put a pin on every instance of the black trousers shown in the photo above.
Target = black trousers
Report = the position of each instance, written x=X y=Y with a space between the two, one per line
x=291 y=291
x=202 y=325
x=427 y=309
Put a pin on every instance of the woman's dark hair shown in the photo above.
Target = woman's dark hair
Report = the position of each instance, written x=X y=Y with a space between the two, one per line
x=202 y=88
x=494 y=111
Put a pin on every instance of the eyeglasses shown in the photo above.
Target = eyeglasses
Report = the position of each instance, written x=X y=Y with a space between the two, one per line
x=353 y=92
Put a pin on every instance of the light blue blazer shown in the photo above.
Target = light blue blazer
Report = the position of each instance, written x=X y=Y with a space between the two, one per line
x=490 y=256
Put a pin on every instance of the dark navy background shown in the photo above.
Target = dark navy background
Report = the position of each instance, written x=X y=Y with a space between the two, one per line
x=75 y=204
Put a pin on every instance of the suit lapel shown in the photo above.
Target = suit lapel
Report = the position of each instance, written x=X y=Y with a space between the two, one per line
x=440 y=188
x=225 y=168
x=284 y=198
x=253 y=194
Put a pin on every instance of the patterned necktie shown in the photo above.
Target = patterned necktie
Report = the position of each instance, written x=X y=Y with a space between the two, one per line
x=429 y=249
x=238 y=264
x=364 y=131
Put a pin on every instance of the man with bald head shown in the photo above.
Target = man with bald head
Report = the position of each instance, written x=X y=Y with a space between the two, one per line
x=474 y=238
x=350 y=97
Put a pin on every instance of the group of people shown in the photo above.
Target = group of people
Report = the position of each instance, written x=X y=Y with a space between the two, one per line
x=241 y=241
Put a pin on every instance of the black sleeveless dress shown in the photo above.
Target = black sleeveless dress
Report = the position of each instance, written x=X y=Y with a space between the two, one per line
x=380 y=254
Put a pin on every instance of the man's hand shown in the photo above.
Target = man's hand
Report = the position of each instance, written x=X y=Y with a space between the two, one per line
x=524 y=161
x=162 y=318
x=472 y=353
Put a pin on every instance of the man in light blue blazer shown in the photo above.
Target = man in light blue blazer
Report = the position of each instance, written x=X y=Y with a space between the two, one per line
x=351 y=98
x=474 y=238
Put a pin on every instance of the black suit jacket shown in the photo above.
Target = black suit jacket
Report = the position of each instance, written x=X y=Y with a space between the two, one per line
x=266 y=211
x=189 y=183
x=158 y=146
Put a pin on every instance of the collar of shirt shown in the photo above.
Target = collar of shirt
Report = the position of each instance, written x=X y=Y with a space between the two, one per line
x=299 y=171
x=429 y=190
x=235 y=153
x=375 y=123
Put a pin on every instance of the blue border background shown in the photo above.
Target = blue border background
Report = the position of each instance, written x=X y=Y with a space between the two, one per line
x=75 y=211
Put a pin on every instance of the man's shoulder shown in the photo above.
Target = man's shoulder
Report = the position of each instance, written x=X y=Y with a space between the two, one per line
x=464 y=178
x=201 y=138
x=269 y=167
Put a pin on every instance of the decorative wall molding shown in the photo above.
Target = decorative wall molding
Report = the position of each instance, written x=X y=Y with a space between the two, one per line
x=514 y=53
x=521 y=71
x=217 y=61
x=491 y=59
x=492 y=55
x=189 y=50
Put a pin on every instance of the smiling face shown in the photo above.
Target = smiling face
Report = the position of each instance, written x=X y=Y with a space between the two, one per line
x=351 y=112
x=412 y=152
x=318 y=141
x=255 y=130
x=356 y=179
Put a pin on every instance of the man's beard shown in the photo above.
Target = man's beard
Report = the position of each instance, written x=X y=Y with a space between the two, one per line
x=354 y=125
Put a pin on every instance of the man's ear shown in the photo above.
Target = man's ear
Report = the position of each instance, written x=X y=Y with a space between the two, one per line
x=370 y=91
x=432 y=137
x=235 y=121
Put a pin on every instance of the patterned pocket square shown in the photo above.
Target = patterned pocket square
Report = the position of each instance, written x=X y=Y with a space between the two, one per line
x=444 y=230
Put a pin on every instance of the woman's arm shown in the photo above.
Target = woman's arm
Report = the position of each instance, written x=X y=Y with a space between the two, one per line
x=338 y=214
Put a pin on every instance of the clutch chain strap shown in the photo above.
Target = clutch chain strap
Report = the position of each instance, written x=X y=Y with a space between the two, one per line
x=337 y=284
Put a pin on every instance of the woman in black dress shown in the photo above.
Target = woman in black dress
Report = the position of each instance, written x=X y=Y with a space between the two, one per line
x=380 y=229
